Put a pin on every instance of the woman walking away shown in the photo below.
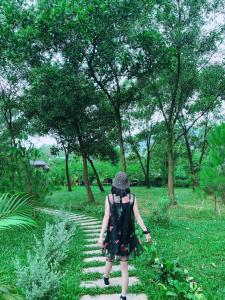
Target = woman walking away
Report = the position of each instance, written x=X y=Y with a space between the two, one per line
x=120 y=242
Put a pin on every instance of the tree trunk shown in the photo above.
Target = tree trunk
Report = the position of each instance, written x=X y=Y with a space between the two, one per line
x=171 y=193
x=120 y=138
x=147 y=178
x=90 y=195
x=142 y=166
x=191 y=164
x=69 y=185
x=96 y=175
x=85 y=179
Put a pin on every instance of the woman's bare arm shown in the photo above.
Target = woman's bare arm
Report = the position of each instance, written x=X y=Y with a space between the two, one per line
x=140 y=220
x=105 y=218
x=138 y=216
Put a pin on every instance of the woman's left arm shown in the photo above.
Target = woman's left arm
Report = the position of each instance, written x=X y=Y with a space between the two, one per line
x=140 y=220
x=104 y=222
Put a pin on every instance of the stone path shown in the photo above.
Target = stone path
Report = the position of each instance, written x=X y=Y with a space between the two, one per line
x=91 y=228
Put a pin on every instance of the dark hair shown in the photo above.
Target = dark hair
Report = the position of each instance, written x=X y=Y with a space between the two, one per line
x=120 y=192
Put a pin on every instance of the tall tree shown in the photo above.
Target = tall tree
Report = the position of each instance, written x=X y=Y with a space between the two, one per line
x=143 y=133
x=174 y=48
x=11 y=86
x=73 y=107
x=64 y=143
x=97 y=34
x=65 y=98
x=212 y=179
x=197 y=117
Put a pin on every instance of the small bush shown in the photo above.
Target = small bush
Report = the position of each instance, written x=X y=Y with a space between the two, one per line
x=40 y=277
x=175 y=281
x=171 y=277
x=212 y=175
x=161 y=214
x=57 y=238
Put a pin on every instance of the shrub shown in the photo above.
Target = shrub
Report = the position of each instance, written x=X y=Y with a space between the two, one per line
x=57 y=238
x=175 y=280
x=161 y=214
x=171 y=277
x=40 y=277
x=18 y=175
x=212 y=177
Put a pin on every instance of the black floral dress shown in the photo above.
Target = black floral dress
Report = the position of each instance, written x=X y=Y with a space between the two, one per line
x=121 y=241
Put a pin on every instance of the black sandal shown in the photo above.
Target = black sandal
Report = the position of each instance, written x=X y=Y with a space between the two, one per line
x=123 y=297
x=106 y=281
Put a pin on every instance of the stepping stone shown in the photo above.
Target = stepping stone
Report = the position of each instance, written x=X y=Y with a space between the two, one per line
x=90 y=223
x=84 y=220
x=94 y=239
x=114 y=297
x=95 y=258
x=91 y=230
x=98 y=251
x=114 y=281
x=91 y=245
x=81 y=218
x=92 y=227
x=101 y=269
x=92 y=234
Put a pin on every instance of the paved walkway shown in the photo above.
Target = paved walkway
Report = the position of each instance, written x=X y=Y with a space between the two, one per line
x=91 y=228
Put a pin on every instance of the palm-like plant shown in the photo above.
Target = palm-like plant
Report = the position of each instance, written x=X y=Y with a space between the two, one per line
x=16 y=211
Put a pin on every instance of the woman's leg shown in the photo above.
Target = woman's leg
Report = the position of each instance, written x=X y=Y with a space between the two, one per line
x=124 y=276
x=108 y=267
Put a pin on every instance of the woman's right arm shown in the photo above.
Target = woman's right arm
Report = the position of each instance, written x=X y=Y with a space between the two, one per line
x=104 y=222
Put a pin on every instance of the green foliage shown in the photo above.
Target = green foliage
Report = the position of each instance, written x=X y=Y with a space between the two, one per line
x=170 y=276
x=212 y=179
x=38 y=280
x=40 y=277
x=161 y=213
x=56 y=240
x=16 y=211
x=175 y=280
x=7 y=291
x=18 y=175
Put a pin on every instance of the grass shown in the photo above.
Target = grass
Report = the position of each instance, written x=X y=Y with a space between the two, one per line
x=195 y=235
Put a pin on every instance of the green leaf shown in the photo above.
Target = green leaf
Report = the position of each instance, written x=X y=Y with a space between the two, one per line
x=16 y=211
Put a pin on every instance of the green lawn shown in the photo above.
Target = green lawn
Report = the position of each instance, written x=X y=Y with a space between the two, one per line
x=195 y=236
